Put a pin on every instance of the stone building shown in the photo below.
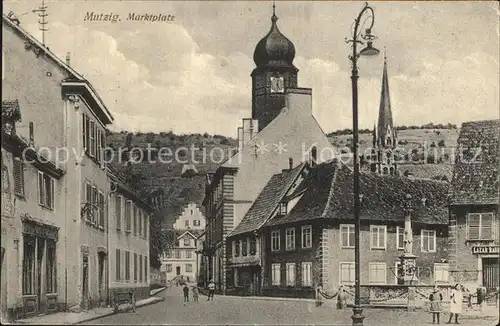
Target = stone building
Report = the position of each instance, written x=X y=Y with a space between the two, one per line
x=63 y=118
x=474 y=207
x=282 y=127
x=305 y=231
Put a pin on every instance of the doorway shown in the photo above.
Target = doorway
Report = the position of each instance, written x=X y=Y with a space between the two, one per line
x=491 y=270
x=178 y=270
x=39 y=267
x=85 y=281
x=101 y=272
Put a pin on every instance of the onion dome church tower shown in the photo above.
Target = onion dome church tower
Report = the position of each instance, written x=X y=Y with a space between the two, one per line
x=274 y=73
x=384 y=133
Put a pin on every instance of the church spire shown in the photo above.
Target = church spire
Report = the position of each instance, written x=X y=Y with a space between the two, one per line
x=385 y=123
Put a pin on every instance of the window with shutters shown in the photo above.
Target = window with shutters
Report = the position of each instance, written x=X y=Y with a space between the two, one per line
x=127 y=265
x=118 y=212
x=86 y=132
x=95 y=205
x=18 y=177
x=45 y=190
x=128 y=216
x=139 y=223
x=140 y=268
x=480 y=226
x=102 y=211
x=118 y=266
x=92 y=139
x=88 y=199
x=135 y=267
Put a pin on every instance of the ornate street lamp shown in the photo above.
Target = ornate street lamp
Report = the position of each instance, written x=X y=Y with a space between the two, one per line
x=369 y=50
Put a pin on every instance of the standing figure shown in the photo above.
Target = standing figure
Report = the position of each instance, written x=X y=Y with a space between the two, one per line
x=436 y=299
x=341 y=298
x=455 y=303
x=195 y=293
x=211 y=290
x=186 y=293
x=319 y=296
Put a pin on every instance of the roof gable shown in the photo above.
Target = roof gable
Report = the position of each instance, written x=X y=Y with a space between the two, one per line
x=268 y=200
x=476 y=171
x=329 y=195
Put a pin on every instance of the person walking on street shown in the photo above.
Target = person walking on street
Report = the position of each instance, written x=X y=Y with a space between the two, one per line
x=211 y=290
x=341 y=298
x=319 y=297
x=436 y=299
x=195 y=293
x=455 y=303
x=186 y=293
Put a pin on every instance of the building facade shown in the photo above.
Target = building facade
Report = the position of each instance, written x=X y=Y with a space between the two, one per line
x=63 y=239
x=474 y=207
x=303 y=219
x=266 y=145
x=183 y=259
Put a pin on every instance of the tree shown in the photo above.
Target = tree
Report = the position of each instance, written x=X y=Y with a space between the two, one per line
x=150 y=137
x=161 y=239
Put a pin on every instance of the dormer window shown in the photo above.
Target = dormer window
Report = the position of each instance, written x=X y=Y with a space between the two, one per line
x=282 y=209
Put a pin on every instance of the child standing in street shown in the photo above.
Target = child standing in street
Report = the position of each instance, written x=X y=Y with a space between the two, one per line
x=186 y=293
x=195 y=293
x=436 y=299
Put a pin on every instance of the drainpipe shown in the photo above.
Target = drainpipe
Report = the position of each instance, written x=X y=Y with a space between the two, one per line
x=114 y=189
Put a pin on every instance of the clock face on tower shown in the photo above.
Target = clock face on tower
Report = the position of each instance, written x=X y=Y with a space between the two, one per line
x=277 y=84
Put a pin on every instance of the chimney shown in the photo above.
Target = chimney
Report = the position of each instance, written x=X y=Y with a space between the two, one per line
x=68 y=59
x=290 y=163
x=32 y=133
x=240 y=138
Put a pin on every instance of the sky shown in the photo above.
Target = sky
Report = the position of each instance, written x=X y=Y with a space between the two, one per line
x=192 y=75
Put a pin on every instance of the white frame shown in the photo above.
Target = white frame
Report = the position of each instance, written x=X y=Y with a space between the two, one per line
x=370 y=273
x=400 y=246
x=190 y=267
x=302 y=266
x=292 y=247
x=480 y=238
x=302 y=229
x=447 y=275
x=349 y=226
x=422 y=240
x=340 y=272
x=273 y=236
x=276 y=281
x=294 y=282
x=378 y=227
x=52 y=186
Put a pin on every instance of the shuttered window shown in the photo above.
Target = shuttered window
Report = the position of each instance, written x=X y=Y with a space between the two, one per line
x=45 y=190
x=18 y=177
x=118 y=210
x=118 y=265
x=102 y=212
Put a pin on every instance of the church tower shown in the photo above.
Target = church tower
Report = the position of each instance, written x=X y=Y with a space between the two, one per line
x=384 y=133
x=274 y=73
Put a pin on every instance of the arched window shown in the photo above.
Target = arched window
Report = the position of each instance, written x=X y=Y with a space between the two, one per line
x=314 y=155
x=389 y=141
x=391 y=170
x=385 y=171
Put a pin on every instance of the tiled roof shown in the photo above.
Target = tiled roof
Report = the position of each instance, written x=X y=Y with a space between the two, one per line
x=268 y=200
x=330 y=195
x=429 y=171
x=11 y=111
x=312 y=204
x=475 y=179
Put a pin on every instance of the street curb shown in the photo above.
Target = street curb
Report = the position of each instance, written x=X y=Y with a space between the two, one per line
x=160 y=291
x=114 y=313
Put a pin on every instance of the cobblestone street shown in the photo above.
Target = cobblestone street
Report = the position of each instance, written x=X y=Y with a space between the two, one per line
x=228 y=310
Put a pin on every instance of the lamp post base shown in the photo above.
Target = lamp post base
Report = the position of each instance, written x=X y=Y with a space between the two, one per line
x=357 y=315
